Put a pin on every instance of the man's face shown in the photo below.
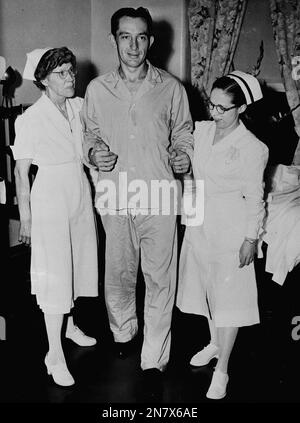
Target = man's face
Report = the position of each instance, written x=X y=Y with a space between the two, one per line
x=132 y=41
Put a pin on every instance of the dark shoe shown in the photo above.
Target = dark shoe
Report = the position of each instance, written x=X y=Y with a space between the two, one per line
x=124 y=349
x=152 y=385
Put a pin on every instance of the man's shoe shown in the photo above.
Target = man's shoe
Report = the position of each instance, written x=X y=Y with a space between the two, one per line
x=124 y=349
x=217 y=389
x=80 y=338
x=204 y=356
x=121 y=349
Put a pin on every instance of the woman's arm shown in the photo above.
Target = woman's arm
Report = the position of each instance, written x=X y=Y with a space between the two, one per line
x=23 y=196
x=255 y=160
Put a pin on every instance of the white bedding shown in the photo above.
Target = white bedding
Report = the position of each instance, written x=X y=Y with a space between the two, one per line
x=282 y=223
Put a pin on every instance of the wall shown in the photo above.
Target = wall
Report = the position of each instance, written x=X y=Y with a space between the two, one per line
x=256 y=27
x=169 y=49
x=29 y=24
x=84 y=25
x=279 y=137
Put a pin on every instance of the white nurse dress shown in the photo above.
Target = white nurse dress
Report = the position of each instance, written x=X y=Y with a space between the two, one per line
x=64 y=261
x=210 y=280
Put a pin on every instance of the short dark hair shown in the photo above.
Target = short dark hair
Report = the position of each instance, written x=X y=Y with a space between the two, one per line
x=232 y=88
x=49 y=61
x=140 y=12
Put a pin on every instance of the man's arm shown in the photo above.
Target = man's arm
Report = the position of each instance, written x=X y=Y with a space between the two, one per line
x=182 y=139
x=91 y=130
x=96 y=152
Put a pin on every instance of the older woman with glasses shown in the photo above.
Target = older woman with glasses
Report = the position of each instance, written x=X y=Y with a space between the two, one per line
x=56 y=214
x=216 y=272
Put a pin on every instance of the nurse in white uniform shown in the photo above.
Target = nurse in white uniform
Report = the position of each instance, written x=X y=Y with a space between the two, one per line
x=56 y=214
x=216 y=272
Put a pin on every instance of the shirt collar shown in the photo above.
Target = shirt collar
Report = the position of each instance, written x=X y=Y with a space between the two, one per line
x=233 y=138
x=50 y=104
x=154 y=75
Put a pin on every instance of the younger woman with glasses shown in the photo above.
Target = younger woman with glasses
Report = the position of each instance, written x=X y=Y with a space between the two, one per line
x=56 y=215
x=216 y=272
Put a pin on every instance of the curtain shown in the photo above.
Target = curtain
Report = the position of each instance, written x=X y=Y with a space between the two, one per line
x=285 y=16
x=214 y=31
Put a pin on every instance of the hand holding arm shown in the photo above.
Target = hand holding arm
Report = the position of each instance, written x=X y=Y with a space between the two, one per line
x=96 y=151
x=180 y=161
x=101 y=157
x=181 y=125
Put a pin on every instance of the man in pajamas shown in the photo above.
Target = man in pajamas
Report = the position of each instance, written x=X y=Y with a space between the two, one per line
x=142 y=114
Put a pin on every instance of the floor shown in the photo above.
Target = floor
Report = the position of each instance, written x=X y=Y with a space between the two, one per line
x=264 y=366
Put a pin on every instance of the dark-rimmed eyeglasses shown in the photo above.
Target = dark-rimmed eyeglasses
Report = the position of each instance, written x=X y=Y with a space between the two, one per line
x=63 y=74
x=220 y=109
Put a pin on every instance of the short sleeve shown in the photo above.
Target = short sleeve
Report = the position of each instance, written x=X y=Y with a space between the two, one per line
x=77 y=103
x=25 y=141
x=201 y=125
x=201 y=132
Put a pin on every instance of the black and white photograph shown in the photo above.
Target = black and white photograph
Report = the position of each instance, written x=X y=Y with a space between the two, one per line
x=149 y=207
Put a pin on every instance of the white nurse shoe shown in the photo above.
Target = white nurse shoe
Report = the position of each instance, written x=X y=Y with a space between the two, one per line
x=60 y=373
x=80 y=338
x=217 y=389
x=204 y=356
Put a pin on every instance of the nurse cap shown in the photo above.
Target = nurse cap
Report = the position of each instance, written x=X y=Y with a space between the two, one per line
x=249 y=85
x=33 y=59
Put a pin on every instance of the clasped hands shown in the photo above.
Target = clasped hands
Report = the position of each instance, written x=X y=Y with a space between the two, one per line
x=180 y=161
x=101 y=156
x=105 y=160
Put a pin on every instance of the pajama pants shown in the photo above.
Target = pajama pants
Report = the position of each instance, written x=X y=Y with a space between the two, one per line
x=154 y=240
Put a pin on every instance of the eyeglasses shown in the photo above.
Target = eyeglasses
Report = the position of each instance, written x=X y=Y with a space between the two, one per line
x=220 y=109
x=64 y=73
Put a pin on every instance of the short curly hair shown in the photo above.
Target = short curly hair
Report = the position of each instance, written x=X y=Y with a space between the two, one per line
x=49 y=61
